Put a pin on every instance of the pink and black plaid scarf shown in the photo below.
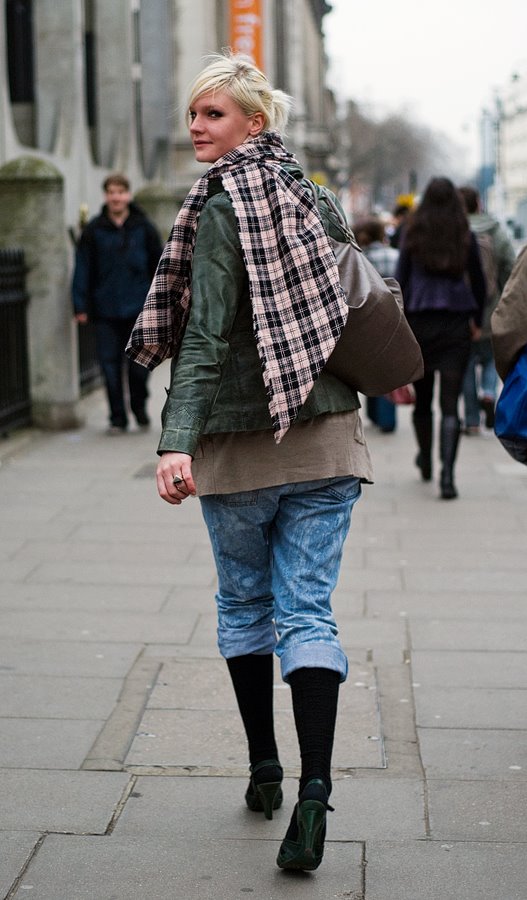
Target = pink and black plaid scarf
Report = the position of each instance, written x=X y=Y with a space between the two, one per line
x=298 y=304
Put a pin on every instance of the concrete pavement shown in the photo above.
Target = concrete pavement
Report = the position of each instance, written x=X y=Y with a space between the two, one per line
x=122 y=757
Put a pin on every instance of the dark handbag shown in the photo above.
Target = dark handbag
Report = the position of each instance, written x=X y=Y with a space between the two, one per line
x=510 y=424
x=377 y=350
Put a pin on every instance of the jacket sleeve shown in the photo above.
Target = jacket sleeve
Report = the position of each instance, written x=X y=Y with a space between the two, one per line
x=83 y=274
x=476 y=278
x=219 y=280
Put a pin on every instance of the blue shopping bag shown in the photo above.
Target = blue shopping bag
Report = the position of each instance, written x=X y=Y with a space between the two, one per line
x=510 y=425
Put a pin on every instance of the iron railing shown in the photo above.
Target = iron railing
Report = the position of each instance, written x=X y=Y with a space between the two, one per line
x=89 y=369
x=15 y=398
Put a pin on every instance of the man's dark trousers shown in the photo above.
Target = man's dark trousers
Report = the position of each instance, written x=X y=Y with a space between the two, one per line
x=111 y=337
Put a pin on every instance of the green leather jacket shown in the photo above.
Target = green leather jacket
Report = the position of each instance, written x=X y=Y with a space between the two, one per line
x=217 y=384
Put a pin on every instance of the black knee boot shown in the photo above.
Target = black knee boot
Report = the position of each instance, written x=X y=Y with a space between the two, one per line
x=423 y=432
x=315 y=697
x=252 y=679
x=449 y=439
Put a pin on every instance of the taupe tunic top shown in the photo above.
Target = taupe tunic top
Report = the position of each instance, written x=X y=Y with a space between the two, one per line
x=324 y=447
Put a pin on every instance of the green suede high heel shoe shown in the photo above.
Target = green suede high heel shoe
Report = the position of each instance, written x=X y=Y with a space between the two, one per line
x=303 y=845
x=265 y=787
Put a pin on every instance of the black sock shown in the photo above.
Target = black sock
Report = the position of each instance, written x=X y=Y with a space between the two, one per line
x=252 y=678
x=315 y=697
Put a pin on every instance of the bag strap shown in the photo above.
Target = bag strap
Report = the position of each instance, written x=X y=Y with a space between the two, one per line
x=330 y=203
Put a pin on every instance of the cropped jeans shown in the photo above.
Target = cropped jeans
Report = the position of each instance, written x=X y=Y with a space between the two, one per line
x=278 y=552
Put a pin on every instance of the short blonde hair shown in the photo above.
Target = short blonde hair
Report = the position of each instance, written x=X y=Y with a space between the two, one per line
x=238 y=76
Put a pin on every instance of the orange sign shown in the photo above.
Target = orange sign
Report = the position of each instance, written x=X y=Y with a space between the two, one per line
x=246 y=31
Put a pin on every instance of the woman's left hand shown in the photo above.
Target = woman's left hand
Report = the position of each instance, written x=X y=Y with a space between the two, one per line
x=475 y=331
x=174 y=477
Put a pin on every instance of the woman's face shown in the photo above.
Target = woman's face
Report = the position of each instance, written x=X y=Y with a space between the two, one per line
x=218 y=124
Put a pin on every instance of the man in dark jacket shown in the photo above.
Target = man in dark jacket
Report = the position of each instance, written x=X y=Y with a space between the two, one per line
x=497 y=259
x=116 y=259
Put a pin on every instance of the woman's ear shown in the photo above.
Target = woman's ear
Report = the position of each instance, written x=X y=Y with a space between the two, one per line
x=256 y=124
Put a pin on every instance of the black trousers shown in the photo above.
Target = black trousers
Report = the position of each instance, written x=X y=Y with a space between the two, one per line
x=445 y=342
x=111 y=337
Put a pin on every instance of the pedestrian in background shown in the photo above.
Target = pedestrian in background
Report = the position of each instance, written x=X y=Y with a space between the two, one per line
x=249 y=262
x=116 y=257
x=509 y=320
x=509 y=340
x=371 y=236
x=400 y=214
x=443 y=287
x=497 y=259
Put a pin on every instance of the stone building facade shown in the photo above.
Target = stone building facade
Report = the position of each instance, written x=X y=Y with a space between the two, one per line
x=91 y=86
x=504 y=152
x=513 y=148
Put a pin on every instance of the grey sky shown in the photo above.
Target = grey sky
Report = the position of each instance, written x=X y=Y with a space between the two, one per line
x=438 y=61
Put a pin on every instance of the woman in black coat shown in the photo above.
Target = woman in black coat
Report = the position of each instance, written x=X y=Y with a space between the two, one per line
x=443 y=286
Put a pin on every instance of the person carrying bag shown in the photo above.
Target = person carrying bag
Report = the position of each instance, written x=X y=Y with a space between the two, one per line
x=509 y=343
x=377 y=351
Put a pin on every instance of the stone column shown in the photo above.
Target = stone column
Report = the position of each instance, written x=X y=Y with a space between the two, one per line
x=294 y=50
x=8 y=136
x=58 y=65
x=117 y=77
x=32 y=217
x=192 y=45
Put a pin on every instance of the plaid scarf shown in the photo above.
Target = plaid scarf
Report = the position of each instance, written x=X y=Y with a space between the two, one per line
x=298 y=304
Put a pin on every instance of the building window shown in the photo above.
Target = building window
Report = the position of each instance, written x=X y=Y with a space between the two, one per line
x=19 y=31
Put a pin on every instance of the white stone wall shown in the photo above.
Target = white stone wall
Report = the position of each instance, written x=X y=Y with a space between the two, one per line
x=146 y=53
x=134 y=99
x=140 y=123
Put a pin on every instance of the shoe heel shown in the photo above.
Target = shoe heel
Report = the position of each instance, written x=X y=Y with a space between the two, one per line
x=266 y=795
x=270 y=794
x=311 y=820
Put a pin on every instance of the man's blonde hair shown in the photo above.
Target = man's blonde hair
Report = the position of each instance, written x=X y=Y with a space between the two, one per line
x=238 y=76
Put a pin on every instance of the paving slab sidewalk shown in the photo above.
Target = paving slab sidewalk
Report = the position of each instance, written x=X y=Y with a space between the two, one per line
x=122 y=758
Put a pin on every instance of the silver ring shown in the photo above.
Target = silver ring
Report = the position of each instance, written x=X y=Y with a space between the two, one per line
x=177 y=480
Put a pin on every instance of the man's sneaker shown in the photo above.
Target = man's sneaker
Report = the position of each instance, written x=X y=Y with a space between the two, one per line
x=142 y=420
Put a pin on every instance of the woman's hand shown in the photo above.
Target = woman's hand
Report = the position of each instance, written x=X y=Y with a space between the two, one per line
x=175 y=467
x=475 y=331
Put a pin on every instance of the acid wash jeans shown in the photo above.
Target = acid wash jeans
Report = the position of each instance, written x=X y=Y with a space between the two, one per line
x=278 y=553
